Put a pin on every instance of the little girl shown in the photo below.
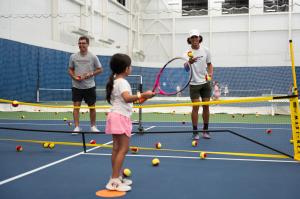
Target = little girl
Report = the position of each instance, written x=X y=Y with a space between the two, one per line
x=118 y=123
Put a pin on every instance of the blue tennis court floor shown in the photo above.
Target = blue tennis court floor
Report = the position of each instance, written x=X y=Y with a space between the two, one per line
x=234 y=168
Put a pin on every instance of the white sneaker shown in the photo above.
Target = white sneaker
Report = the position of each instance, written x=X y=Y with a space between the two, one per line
x=195 y=136
x=205 y=135
x=125 y=180
x=77 y=129
x=94 y=129
x=115 y=184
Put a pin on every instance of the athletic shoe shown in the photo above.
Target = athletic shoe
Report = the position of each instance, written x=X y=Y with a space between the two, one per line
x=195 y=136
x=77 y=129
x=125 y=180
x=115 y=184
x=94 y=129
x=205 y=135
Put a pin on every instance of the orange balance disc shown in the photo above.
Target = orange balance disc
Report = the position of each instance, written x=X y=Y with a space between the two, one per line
x=110 y=194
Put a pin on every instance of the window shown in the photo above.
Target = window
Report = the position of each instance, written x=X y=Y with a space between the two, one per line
x=235 y=6
x=194 y=7
x=123 y=2
x=276 y=5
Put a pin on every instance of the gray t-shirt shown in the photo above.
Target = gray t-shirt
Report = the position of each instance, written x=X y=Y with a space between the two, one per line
x=83 y=64
x=200 y=66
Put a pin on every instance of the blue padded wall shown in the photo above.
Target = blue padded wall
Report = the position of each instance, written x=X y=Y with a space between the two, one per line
x=25 y=67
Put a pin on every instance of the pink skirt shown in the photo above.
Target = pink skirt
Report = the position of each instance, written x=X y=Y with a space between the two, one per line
x=118 y=124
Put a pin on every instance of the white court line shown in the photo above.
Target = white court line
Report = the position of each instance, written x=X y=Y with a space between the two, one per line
x=46 y=166
x=53 y=163
x=198 y=158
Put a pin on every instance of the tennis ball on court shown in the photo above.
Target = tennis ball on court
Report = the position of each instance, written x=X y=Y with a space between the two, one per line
x=194 y=143
x=269 y=131
x=19 y=148
x=190 y=54
x=23 y=117
x=65 y=119
x=46 y=145
x=126 y=172
x=51 y=145
x=155 y=162
x=158 y=145
x=93 y=142
x=291 y=141
x=203 y=155
x=69 y=123
x=15 y=103
x=134 y=149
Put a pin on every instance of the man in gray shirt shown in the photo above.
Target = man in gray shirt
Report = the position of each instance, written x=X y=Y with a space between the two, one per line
x=200 y=60
x=83 y=67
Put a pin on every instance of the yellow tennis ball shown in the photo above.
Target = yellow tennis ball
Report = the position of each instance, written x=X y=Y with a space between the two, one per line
x=190 y=54
x=134 y=149
x=51 y=145
x=65 y=119
x=155 y=162
x=158 y=145
x=46 y=145
x=15 y=103
x=207 y=77
x=203 y=155
x=126 y=172
x=194 y=143
x=291 y=141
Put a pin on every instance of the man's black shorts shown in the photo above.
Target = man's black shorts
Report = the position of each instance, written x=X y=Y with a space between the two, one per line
x=89 y=95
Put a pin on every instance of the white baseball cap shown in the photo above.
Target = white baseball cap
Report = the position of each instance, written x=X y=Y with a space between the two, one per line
x=194 y=32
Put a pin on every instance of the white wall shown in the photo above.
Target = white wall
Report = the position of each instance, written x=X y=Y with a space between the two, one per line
x=254 y=39
x=154 y=28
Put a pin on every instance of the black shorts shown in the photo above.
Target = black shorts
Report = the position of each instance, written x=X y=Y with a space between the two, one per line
x=203 y=90
x=89 y=95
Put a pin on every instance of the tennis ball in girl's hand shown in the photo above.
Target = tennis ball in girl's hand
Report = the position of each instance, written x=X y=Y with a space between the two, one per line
x=126 y=172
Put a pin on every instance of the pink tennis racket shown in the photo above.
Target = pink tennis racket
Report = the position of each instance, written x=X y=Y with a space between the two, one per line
x=172 y=78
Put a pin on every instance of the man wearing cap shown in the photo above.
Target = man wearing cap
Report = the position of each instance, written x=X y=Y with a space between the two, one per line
x=200 y=61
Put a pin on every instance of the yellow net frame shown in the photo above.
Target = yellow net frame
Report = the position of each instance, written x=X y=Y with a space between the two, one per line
x=294 y=107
